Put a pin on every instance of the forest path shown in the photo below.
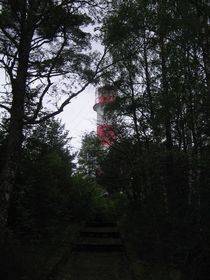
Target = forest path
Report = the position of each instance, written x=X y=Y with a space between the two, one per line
x=97 y=255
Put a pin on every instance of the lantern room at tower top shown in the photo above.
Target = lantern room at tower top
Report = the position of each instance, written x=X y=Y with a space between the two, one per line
x=104 y=95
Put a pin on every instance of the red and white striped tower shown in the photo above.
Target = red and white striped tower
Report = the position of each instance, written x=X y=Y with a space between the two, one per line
x=104 y=95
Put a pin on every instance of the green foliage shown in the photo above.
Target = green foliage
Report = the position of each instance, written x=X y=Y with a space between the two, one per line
x=81 y=198
x=156 y=175
x=53 y=38
x=162 y=89
x=162 y=208
x=46 y=193
x=90 y=155
x=58 y=18
x=91 y=201
x=47 y=59
x=44 y=180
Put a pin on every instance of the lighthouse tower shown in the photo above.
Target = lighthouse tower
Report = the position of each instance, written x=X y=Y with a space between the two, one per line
x=104 y=95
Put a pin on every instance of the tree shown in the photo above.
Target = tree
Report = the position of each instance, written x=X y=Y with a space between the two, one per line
x=45 y=55
x=41 y=193
x=202 y=10
x=152 y=75
x=90 y=155
x=162 y=102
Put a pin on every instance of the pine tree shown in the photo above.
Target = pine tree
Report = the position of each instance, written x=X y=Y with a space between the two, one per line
x=45 y=53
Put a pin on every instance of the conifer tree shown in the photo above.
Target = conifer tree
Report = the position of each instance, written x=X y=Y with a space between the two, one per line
x=45 y=53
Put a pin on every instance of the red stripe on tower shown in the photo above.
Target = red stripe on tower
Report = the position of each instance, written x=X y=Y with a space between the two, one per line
x=104 y=95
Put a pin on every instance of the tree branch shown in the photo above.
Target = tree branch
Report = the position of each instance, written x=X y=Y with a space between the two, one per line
x=5 y=107
x=12 y=39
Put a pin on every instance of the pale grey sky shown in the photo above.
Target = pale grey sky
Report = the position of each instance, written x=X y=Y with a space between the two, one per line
x=79 y=116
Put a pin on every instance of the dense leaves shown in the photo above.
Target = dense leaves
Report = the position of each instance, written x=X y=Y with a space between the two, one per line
x=161 y=117
x=47 y=59
x=157 y=171
x=44 y=180
x=90 y=155
x=48 y=202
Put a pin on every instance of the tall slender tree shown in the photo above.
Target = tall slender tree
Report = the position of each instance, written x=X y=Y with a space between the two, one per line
x=45 y=53
x=167 y=89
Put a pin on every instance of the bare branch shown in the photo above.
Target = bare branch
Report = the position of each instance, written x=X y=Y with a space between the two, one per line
x=8 y=69
x=40 y=103
x=38 y=42
x=98 y=73
x=64 y=104
x=5 y=107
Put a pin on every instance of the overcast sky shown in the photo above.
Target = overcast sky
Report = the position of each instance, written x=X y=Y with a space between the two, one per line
x=79 y=116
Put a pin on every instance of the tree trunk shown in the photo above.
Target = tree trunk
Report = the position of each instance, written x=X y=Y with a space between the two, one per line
x=15 y=134
x=134 y=114
x=205 y=42
x=166 y=97
x=149 y=91
x=9 y=171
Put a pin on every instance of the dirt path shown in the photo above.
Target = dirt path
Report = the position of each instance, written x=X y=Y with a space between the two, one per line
x=97 y=255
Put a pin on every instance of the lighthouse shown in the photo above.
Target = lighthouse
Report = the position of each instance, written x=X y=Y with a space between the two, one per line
x=105 y=132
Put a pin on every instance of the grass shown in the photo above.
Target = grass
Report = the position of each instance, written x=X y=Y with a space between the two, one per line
x=154 y=272
x=31 y=259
